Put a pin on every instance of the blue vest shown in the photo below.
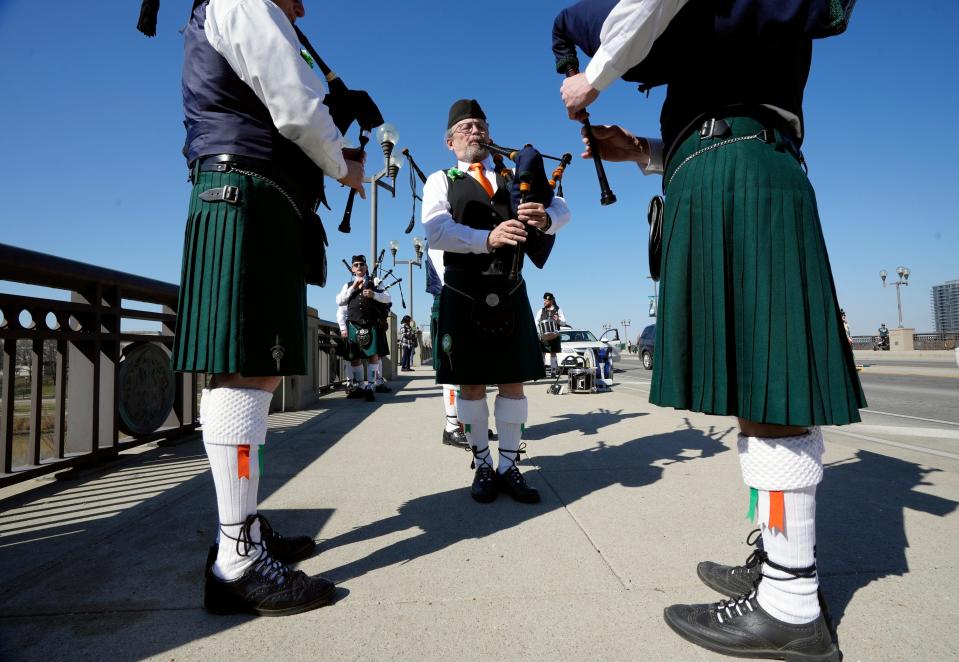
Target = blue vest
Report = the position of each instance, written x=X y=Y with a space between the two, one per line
x=224 y=116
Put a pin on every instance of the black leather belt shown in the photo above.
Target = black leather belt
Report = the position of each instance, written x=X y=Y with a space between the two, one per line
x=262 y=167
x=228 y=162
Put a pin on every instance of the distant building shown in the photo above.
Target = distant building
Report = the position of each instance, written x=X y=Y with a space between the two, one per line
x=945 y=306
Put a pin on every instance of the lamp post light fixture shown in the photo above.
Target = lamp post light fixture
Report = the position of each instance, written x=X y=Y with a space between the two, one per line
x=387 y=136
x=418 y=262
x=626 y=324
x=903 y=273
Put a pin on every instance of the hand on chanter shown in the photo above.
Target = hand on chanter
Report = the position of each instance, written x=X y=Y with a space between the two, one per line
x=577 y=93
x=354 y=177
x=507 y=233
x=533 y=213
x=617 y=144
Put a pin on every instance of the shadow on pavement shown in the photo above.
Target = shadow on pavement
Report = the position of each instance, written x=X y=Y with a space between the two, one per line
x=861 y=533
x=441 y=520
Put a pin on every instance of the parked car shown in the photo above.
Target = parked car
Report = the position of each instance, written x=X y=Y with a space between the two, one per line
x=579 y=341
x=645 y=344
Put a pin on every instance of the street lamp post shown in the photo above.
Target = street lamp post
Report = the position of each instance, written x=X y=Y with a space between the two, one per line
x=418 y=249
x=387 y=136
x=903 y=273
x=626 y=324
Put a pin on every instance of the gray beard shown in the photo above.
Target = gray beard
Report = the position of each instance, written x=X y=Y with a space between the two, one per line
x=475 y=154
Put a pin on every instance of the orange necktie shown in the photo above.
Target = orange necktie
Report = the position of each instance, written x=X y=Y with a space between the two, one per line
x=478 y=172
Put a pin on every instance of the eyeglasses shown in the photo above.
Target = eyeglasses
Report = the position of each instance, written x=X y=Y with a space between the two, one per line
x=468 y=127
x=359 y=264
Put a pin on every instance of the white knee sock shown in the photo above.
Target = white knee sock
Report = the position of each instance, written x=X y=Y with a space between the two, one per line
x=234 y=427
x=449 y=403
x=474 y=414
x=376 y=376
x=356 y=374
x=788 y=598
x=510 y=414
x=785 y=472
x=553 y=362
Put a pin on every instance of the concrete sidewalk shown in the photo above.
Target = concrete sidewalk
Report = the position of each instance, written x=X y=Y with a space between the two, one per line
x=109 y=565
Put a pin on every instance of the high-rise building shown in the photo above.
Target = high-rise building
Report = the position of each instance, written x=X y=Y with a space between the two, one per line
x=945 y=306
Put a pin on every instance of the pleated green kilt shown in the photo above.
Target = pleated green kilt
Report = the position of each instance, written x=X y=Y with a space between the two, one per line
x=434 y=325
x=467 y=356
x=242 y=295
x=748 y=324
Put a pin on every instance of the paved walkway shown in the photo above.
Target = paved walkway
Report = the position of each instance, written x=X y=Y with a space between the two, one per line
x=108 y=566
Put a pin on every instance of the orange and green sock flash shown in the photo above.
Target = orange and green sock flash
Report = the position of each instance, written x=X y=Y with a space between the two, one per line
x=777 y=508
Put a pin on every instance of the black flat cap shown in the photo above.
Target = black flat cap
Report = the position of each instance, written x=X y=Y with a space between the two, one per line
x=465 y=109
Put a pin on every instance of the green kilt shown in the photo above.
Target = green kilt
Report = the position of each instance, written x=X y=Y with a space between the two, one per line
x=466 y=355
x=242 y=296
x=748 y=324
x=434 y=326
x=378 y=347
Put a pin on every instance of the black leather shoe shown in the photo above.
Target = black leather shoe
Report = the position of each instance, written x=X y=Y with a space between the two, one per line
x=368 y=394
x=741 y=628
x=735 y=580
x=283 y=549
x=268 y=588
x=455 y=438
x=513 y=483
x=484 y=484
x=354 y=392
x=383 y=388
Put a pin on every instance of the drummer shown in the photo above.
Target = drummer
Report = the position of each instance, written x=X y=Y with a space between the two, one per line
x=553 y=317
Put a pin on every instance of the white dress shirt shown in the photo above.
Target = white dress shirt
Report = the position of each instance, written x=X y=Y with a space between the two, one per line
x=445 y=234
x=259 y=43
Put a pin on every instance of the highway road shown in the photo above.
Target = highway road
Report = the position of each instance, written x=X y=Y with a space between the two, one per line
x=912 y=413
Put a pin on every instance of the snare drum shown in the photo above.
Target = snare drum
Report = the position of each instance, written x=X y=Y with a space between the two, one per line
x=548 y=330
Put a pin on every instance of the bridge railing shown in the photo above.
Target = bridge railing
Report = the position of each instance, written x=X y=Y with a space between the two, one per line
x=72 y=379
x=77 y=385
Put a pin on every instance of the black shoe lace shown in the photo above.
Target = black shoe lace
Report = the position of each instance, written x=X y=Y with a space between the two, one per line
x=758 y=556
x=513 y=460
x=264 y=564
x=485 y=463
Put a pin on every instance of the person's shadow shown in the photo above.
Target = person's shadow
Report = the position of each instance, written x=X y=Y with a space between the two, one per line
x=439 y=517
x=588 y=423
x=861 y=533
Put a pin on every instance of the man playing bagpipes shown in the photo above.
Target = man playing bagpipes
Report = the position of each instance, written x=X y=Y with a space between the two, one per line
x=746 y=325
x=485 y=331
x=259 y=140
x=365 y=306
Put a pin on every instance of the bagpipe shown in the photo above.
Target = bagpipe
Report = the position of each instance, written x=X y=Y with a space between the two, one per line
x=529 y=184
x=346 y=106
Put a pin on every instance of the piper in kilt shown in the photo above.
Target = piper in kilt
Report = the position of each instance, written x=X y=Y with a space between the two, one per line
x=748 y=324
x=360 y=313
x=242 y=308
x=485 y=332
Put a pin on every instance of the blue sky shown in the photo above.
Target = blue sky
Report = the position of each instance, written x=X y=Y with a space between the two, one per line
x=91 y=131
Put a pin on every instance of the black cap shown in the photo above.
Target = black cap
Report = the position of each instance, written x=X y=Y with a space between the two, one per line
x=548 y=295
x=359 y=258
x=465 y=109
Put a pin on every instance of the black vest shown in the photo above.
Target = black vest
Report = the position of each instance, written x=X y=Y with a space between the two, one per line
x=472 y=206
x=365 y=312
x=224 y=116
x=727 y=73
